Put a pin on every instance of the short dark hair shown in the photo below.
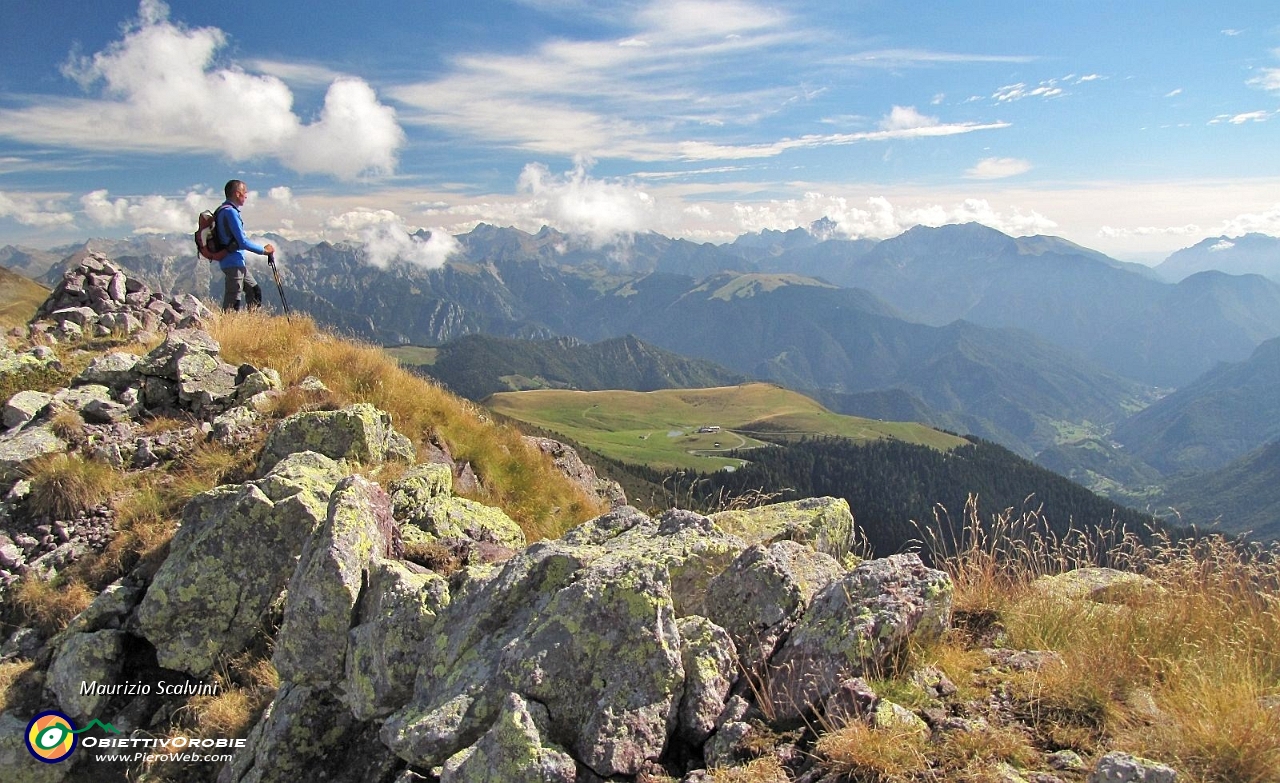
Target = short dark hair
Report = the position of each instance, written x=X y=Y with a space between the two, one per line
x=230 y=188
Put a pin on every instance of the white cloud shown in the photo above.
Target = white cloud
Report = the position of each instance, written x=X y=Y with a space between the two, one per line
x=1266 y=222
x=151 y=214
x=283 y=196
x=162 y=93
x=1218 y=247
x=906 y=118
x=1173 y=93
x=1046 y=89
x=998 y=168
x=33 y=211
x=387 y=240
x=601 y=210
x=1241 y=119
x=880 y=218
x=1268 y=79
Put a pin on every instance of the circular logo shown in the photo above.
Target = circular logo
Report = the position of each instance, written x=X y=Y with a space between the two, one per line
x=51 y=737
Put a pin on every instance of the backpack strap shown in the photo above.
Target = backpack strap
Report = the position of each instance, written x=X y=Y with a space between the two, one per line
x=218 y=234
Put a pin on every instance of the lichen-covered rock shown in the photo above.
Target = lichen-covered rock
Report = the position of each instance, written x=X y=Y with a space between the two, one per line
x=710 y=671
x=456 y=693
x=453 y=517
x=358 y=433
x=301 y=727
x=513 y=749
x=420 y=485
x=333 y=567
x=1099 y=585
x=854 y=625
x=20 y=448
x=605 y=660
x=760 y=596
x=395 y=617
x=116 y=370
x=24 y=406
x=85 y=661
x=825 y=523
x=166 y=360
x=1124 y=768
x=17 y=762
x=230 y=559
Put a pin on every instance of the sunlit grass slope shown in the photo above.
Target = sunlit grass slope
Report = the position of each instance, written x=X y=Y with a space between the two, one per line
x=515 y=476
x=660 y=428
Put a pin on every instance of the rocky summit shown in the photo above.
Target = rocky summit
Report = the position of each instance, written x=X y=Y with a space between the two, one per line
x=634 y=647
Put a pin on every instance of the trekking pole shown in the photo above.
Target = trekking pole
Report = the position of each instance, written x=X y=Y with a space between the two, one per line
x=271 y=262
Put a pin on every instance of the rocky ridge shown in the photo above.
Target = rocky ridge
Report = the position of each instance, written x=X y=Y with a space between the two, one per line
x=632 y=648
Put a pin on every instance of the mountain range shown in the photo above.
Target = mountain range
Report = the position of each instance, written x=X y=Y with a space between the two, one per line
x=1036 y=343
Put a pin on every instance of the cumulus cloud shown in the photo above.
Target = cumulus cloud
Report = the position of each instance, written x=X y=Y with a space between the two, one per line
x=151 y=214
x=1218 y=247
x=33 y=211
x=998 y=168
x=1266 y=222
x=879 y=218
x=1268 y=79
x=601 y=210
x=387 y=240
x=906 y=118
x=162 y=92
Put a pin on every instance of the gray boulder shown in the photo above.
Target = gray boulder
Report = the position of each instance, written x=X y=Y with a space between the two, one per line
x=22 y=447
x=513 y=750
x=825 y=523
x=116 y=370
x=358 y=433
x=17 y=762
x=710 y=670
x=231 y=558
x=394 y=620
x=300 y=729
x=454 y=517
x=332 y=569
x=24 y=406
x=89 y=661
x=761 y=595
x=852 y=627
x=1123 y=768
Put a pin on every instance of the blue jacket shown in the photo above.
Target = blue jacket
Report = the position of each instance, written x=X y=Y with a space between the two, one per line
x=231 y=227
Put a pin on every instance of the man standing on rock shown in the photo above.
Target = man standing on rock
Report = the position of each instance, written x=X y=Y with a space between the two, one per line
x=239 y=285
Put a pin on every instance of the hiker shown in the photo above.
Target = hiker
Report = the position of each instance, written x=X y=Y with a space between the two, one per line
x=239 y=284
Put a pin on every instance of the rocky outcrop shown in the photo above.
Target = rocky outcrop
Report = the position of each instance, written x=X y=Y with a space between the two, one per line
x=97 y=299
x=230 y=560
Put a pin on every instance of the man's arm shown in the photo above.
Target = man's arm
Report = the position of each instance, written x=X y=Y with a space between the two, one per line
x=235 y=228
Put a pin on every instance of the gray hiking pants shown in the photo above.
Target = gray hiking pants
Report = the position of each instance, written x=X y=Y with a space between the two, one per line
x=240 y=289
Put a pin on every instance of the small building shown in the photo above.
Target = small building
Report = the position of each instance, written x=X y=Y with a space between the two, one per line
x=709 y=429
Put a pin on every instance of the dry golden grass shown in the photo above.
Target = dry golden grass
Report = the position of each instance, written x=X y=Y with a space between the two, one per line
x=516 y=477
x=64 y=485
x=49 y=606
x=867 y=755
x=11 y=673
x=762 y=770
x=1176 y=673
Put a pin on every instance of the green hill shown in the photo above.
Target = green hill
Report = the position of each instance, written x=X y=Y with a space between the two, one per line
x=1222 y=416
x=19 y=298
x=477 y=365
x=1243 y=496
x=661 y=428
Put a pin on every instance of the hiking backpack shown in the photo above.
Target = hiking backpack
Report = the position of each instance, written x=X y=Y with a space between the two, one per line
x=208 y=244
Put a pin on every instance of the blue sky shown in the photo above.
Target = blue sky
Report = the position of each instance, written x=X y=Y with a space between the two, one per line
x=1135 y=128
